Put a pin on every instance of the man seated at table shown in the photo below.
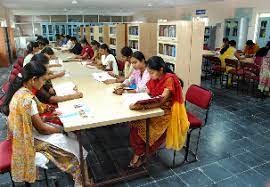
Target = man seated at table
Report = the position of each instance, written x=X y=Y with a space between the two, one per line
x=250 y=48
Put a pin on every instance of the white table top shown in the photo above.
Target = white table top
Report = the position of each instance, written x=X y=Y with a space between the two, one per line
x=107 y=108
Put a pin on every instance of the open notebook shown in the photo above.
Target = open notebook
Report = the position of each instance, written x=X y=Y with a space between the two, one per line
x=78 y=113
x=64 y=89
x=56 y=61
x=103 y=76
x=140 y=98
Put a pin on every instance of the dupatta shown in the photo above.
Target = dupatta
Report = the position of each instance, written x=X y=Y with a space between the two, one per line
x=179 y=124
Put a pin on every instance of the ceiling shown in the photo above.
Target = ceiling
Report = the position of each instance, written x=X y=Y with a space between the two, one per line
x=41 y=7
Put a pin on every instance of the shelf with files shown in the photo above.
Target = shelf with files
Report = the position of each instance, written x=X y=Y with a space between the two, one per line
x=143 y=37
x=133 y=29
x=134 y=44
x=112 y=30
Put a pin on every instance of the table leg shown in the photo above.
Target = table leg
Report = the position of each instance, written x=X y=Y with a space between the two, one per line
x=81 y=158
x=147 y=143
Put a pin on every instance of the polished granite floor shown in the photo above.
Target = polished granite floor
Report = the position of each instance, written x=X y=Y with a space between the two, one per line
x=234 y=148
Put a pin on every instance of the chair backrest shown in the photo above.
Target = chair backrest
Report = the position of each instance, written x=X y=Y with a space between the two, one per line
x=252 y=68
x=214 y=60
x=20 y=61
x=258 y=61
x=121 y=65
x=231 y=63
x=199 y=96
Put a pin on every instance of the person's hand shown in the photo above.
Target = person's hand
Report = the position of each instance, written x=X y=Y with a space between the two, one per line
x=52 y=91
x=111 y=73
x=136 y=107
x=78 y=95
x=61 y=74
x=118 y=91
x=110 y=81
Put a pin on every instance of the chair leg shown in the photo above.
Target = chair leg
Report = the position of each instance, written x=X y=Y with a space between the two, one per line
x=12 y=182
x=187 y=146
x=46 y=177
x=197 y=146
x=174 y=155
x=237 y=86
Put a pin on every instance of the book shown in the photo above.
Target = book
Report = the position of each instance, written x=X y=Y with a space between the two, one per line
x=140 y=98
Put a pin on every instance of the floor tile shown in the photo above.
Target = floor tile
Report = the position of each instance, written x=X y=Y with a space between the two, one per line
x=195 y=178
x=233 y=165
x=171 y=182
x=250 y=159
x=216 y=172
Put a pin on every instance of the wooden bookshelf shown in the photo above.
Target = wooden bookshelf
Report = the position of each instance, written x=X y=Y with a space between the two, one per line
x=12 y=42
x=117 y=38
x=101 y=34
x=4 y=55
x=143 y=37
x=180 y=44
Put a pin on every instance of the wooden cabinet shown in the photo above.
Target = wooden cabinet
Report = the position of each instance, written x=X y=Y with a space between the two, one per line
x=117 y=38
x=143 y=37
x=180 y=44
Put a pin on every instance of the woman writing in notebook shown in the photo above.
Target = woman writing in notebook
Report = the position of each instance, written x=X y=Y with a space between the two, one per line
x=95 y=46
x=139 y=77
x=87 y=51
x=47 y=94
x=30 y=135
x=172 y=127
x=32 y=49
x=126 y=53
x=108 y=61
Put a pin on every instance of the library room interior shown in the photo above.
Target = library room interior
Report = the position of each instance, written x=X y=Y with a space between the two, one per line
x=123 y=93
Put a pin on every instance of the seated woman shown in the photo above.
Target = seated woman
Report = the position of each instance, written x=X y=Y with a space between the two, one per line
x=87 y=51
x=251 y=48
x=229 y=52
x=95 y=46
x=126 y=53
x=173 y=126
x=30 y=135
x=108 y=61
x=139 y=76
x=47 y=94
x=32 y=49
x=77 y=49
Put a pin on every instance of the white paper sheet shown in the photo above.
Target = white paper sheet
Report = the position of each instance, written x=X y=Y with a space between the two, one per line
x=56 y=61
x=132 y=98
x=103 y=76
x=65 y=89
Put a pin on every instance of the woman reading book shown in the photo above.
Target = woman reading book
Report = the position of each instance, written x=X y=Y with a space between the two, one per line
x=139 y=77
x=173 y=126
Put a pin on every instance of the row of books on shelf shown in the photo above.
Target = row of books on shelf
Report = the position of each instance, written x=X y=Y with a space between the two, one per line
x=167 y=31
x=112 y=41
x=112 y=30
x=133 y=44
x=167 y=49
x=133 y=30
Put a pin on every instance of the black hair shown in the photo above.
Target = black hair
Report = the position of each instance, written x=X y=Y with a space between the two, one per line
x=31 y=46
x=94 y=42
x=225 y=39
x=105 y=46
x=73 y=39
x=41 y=42
x=46 y=41
x=41 y=58
x=139 y=56
x=268 y=44
x=62 y=36
x=126 y=51
x=232 y=43
x=156 y=63
x=30 y=70
x=48 y=51
x=57 y=36
x=68 y=37
x=39 y=37
x=249 y=43
x=84 y=41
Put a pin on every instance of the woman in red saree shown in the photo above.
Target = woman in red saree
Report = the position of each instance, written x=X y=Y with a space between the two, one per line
x=172 y=127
